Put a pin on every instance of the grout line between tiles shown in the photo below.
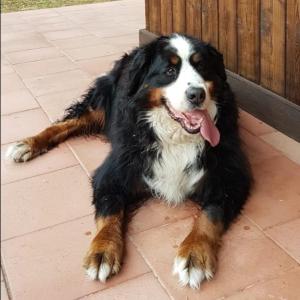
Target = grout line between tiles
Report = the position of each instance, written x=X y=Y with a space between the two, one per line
x=5 y=279
x=278 y=245
x=45 y=228
x=111 y=287
x=41 y=174
x=149 y=265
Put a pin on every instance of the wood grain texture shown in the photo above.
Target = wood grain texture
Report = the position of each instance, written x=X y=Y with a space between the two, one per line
x=272 y=51
x=293 y=51
x=154 y=16
x=210 y=22
x=179 y=16
x=147 y=14
x=248 y=38
x=228 y=33
x=193 y=18
x=166 y=17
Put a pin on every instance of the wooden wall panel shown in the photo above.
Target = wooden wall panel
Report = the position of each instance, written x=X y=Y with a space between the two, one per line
x=179 y=16
x=193 y=18
x=210 y=22
x=293 y=51
x=147 y=14
x=272 y=51
x=248 y=38
x=228 y=33
x=154 y=16
x=166 y=16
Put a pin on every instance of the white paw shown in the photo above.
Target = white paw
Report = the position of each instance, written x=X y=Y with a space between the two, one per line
x=102 y=273
x=189 y=273
x=19 y=152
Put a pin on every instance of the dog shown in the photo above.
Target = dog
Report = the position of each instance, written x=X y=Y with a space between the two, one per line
x=171 y=118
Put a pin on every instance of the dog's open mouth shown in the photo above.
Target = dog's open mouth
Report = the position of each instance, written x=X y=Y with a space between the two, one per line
x=196 y=121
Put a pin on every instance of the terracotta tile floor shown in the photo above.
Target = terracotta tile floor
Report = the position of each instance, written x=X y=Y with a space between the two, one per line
x=49 y=57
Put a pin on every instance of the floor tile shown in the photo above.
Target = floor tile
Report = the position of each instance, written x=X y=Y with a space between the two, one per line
x=55 y=104
x=284 y=287
x=91 y=152
x=56 y=159
x=11 y=83
x=288 y=237
x=276 y=193
x=22 y=125
x=156 y=213
x=92 y=51
x=64 y=34
x=51 y=260
x=24 y=44
x=256 y=150
x=289 y=147
x=33 y=55
x=17 y=101
x=254 y=125
x=145 y=287
x=7 y=69
x=97 y=66
x=4 y=295
x=44 y=67
x=78 y=42
x=58 y=82
x=43 y=201
x=244 y=249
x=61 y=25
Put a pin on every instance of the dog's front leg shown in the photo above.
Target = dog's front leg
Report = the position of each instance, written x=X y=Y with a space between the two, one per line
x=196 y=258
x=110 y=183
x=104 y=256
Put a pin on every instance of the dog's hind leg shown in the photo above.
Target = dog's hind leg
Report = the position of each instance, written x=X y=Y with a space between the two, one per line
x=89 y=122
x=89 y=116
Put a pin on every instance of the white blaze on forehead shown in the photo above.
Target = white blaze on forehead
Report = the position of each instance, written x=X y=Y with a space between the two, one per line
x=188 y=76
x=182 y=45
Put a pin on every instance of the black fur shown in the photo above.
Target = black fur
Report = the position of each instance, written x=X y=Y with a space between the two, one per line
x=123 y=96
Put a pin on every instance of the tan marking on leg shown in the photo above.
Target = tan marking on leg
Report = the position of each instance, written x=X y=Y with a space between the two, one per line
x=56 y=134
x=104 y=256
x=197 y=255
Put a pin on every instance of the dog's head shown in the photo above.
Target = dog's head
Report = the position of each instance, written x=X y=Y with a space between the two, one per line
x=181 y=74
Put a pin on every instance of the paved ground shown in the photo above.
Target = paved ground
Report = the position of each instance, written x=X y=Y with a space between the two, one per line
x=48 y=58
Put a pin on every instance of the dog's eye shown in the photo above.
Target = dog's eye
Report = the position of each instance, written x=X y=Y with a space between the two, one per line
x=171 y=71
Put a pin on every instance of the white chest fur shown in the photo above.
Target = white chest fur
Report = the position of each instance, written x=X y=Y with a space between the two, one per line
x=174 y=171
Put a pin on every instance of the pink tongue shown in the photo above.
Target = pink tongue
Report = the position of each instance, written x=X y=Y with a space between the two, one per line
x=207 y=129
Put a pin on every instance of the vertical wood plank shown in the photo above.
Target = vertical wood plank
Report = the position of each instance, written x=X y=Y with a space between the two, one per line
x=272 y=51
x=179 y=16
x=228 y=33
x=210 y=22
x=193 y=18
x=293 y=51
x=166 y=16
x=147 y=14
x=248 y=38
x=154 y=16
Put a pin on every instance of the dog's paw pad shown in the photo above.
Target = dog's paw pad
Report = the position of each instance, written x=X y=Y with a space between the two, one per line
x=19 y=152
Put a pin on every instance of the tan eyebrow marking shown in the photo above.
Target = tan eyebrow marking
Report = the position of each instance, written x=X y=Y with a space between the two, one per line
x=174 y=59
x=196 y=57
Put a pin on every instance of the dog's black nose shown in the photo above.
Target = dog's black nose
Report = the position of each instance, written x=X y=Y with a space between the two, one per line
x=195 y=95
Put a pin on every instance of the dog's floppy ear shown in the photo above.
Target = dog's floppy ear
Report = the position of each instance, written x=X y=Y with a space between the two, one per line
x=141 y=62
x=217 y=61
x=138 y=69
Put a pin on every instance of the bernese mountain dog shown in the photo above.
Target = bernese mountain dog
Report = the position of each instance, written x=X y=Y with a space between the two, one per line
x=171 y=119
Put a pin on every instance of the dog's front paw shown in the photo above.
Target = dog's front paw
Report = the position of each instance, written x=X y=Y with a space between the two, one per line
x=103 y=258
x=20 y=152
x=195 y=262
